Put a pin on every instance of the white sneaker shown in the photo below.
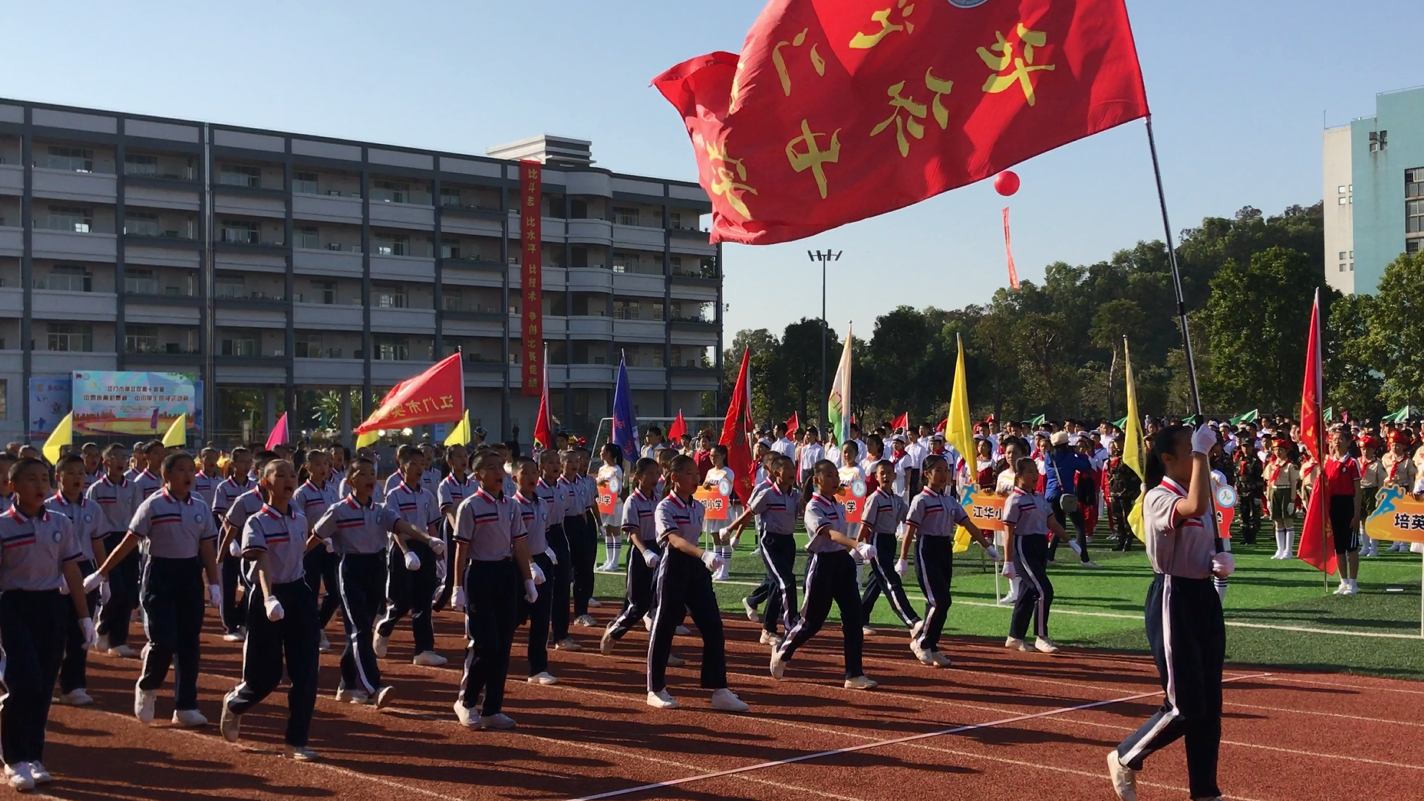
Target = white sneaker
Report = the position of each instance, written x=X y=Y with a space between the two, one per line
x=544 y=678
x=76 y=697
x=1091 y=565
x=468 y=718
x=940 y=660
x=594 y=603
x=866 y=631
x=234 y=636
x=648 y=622
x=567 y=644
x=123 y=652
x=662 y=700
x=925 y=657
x=1008 y=600
x=1351 y=588
x=382 y=698
x=229 y=724
x=674 y=660
x=498 y=720
x=861 y=682
x=102 y=646
x=40 y=775
x=429 y=659
x=585 y=621
x=1343 y=588
x=380 y=644
x=605 y=643
x=352 y=696
x=1045 y=646
x=20 y=777
x=300 y=753
x=778 y=664
x=916 y=628
x=144 y=701
x=752 y=614
x=682 y=631
x=774 y=640
x=724 y=700
x=723 y=573
x=1016 y=644
x=324 y=645
x=1124 y=779
x=189 y=718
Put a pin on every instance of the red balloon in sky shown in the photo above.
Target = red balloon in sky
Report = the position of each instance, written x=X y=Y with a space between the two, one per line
x=1006 y=183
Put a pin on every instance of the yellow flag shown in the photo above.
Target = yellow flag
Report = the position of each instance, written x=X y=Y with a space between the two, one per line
x=177 y=435
x=63 y=435
x=368 y=438
x=959 y=432
x=461 y=434
x=1132 y=452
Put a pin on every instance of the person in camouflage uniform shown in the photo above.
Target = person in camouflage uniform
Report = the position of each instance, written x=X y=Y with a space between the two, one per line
x=1250 y=484
x=1123 y=488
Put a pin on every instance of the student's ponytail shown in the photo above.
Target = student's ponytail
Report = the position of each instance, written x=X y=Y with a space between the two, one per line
x=808 y=488
x=1164 y=441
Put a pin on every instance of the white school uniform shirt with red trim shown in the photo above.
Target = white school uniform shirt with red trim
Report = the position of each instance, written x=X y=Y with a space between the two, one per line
x=1176 y=546
x=88 y=521
x=534 y=513
x=824 y=514
x=174 y=528
x=452 y=492
x=935 y=514
x=640 y=517
x=569 y=500
x=684 y=518
x=883 y=511
x=116 y=503
x=415 y=505
x=206 y=487
x=554 y=499
x=34 y=550
x=146 y=483
x=357 y=529
x=1027 y=512
x=313 y=501
x=489 y=526
x=227 y=492
x=282 y=537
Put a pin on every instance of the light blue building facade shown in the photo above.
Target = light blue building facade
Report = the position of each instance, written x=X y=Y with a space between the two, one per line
x=1387 y=168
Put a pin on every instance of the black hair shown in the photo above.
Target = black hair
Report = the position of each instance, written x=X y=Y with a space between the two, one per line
x=488 y=455
x=680 y=461
x=405 y=453
x=643 y=465
x=86 y=446
x=616 y=450
x=114 y=448
x=21 y=465
x=1023 y=464
x=808 y=487
x=173 y=459
x=931 y=460
x=67 y=460
x=653 y=430
x=354 y=465
x=850 y=443
x=721 y=450
x=1164 y=441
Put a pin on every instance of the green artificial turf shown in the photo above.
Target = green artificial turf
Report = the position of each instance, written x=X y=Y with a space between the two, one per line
x=1103 y=608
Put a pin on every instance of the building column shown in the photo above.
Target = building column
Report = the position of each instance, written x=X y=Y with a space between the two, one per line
x=346 y=417
x=269 y=409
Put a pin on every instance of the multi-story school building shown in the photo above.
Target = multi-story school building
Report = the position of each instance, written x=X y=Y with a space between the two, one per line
x=303 y=273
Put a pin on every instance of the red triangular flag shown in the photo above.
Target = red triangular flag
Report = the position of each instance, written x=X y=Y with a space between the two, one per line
x=737 y=429
x=1316 y=548
x=943 y=424
x=903 y=421
x=678 y=427
x=1009 y=250
x=792 y=426
x=544 y=425
x=435 y=396
x=279 y=433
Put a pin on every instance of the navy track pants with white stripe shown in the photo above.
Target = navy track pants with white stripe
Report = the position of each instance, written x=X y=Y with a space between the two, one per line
x=1035 y=590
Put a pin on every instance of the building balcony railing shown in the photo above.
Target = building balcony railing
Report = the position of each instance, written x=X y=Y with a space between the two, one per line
x=232 y=293
x=159 y=349
x=155 y=287
x=152 y=173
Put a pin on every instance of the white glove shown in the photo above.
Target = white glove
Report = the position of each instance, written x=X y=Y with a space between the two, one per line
x=1203 y=439
x=549 y=552
x=651 y=559
x=412 y=562
x=1010 y=571
x=724 y=535
x=712 y=560
x=92 y=582
x=531 y=591
x=330 y=546
x=274 y=608
x=1223 y=564
x=536 y=573
x=866 y=551
x=993 y=554
x=234 y=547
x=63 y=587
x=439 y=591
x=91 y=637
x=104 y=593
x=457 y=599
x=437 y=547
x=902 y=567
x=215 y=596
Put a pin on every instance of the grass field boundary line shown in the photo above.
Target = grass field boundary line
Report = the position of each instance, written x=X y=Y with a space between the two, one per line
x=881 y=744
x=1287 y=679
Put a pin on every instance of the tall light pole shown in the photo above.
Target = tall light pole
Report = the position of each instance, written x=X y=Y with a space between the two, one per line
x=823 y=256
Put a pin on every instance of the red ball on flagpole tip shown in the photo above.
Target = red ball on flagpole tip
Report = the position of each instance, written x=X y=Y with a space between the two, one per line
x=1006 y=183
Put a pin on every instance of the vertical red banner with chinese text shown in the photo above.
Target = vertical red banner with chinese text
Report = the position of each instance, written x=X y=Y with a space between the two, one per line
x=531 y=280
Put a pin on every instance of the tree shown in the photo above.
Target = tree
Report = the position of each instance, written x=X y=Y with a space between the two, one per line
x=1352 y=381
x=1396 y=335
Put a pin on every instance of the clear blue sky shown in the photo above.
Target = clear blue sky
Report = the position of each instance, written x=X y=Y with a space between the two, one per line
x=1240 y=92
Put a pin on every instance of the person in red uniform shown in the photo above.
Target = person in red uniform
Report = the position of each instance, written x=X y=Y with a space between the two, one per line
x=1342 y=487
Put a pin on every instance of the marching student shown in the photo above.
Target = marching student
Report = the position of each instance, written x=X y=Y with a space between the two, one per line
x=138 y=461
x=42 y=553
x=235 y=486
x=557 y=497
x=116 y=500
x=93 y=464
x=1029 y=524
x=181 y=541
x=282 y=619
x=1342 y=488
x=361 y=530
x=588 y=495
x=931 y=523
x=1184 y=623
x=410 y=576
x=534 y=515
x=7 y=460
x=1371 y=479
x=611 y=474
x=717 y=473
x=830 y=576
x=208 y=477
x=775 y=507
x=639 y=520
x=1014 y=449
x=89 y=531
x=684 y=584
x=489 y=533
x=147 y=481
x=315 y=495
x=581 y=539
x=881 y=516
x=1399 y=473
x=1282 y=480
x=431 y=476
x=453 y=490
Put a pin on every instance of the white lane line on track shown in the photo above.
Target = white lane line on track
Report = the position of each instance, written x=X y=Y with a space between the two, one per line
x=877 y=744
x=1344 y=687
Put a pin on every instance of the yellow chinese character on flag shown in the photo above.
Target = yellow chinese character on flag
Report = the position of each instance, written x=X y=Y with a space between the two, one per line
x=813 y=158
x=865 y=41
x=903 y=124
x=1022 y=66
x=726 y=183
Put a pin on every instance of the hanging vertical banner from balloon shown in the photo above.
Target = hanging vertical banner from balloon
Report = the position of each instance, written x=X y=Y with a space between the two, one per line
x=531 y=249
x=1009 y=249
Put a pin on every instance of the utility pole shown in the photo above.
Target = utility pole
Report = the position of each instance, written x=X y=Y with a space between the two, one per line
x=823 y=256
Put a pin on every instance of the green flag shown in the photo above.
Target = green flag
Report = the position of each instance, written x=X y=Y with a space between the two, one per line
x=1037 y=421
x=1246 y=417
x=1329 y=414
x=1189 y=420
x=1120 y=423
x=1398 y=417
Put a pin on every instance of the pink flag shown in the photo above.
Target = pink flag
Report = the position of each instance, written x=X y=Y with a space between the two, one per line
x=279 y=433
x=1008 y=248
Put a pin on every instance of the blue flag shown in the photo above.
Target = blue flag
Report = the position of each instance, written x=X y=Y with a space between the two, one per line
x=625 y=423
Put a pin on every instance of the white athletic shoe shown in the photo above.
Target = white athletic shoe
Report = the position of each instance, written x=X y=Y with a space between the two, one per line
x=546 y=678
x=925 y=657
x=662 y=700
x=1343 y=588
x=916 y=628
x=382 y=698
x=724 y=700
x=123 y=652
x=567 y=644
x=594 y=603
x=866 y=631
x=189 y=718
x=102 y=646
x=498 y=720
x=1091 y=565
x=20 y=777
x=1351 y=588
x=940 y=660
x=605 y=643
x=76 y=697
x=468 y=718
x=861 y=682
x=1045 y=646
x=41 y=776
x=229 y=724
x=723 y=573
x=778 y=664
x=352 y=696
x=1124 y=779
x=1007 y=600
x=144 y=701
x=234 y=636
x=585 y=621
x=682 y=631
x=772 y=639
x=324 y=645
x=1016 y=644
x=380 y=644
x=648 y=622
x=300 y=753
x=674 y=660
x=429 y=659
x=752 y=614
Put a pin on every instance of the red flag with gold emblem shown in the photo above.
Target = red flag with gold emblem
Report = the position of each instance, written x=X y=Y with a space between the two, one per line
x=435 y=396
x=838 y=110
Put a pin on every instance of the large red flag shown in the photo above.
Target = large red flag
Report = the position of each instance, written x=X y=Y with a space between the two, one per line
x=793 y=424
x=435 y=396
x=737 y=429
x=838 y=110
x=544 y=426
x=1316 y=548
x=678 y=427
x=903 y=421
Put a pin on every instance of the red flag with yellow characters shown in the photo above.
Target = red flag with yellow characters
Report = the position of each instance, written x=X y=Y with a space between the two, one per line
x=838 y=110
x=435 y=396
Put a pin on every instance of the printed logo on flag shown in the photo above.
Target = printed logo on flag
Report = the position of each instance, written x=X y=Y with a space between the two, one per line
x=967 y=3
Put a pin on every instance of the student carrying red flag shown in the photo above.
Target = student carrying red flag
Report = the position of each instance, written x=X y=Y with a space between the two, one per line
x=1316 y=548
